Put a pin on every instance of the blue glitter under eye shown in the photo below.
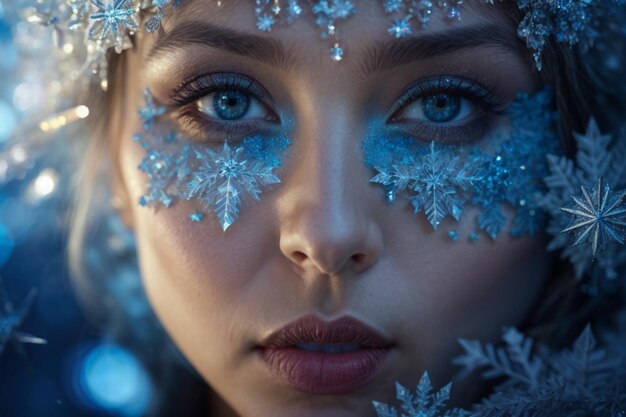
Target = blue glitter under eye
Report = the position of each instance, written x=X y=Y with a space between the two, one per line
x=231 y=104
x=441 y=108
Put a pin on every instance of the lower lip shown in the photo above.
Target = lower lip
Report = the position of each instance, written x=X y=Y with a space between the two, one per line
x=324 y=373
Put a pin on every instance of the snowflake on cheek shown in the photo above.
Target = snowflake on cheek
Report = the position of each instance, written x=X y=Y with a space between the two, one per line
x=438 y=178
x=166 y=163
x=222 y=177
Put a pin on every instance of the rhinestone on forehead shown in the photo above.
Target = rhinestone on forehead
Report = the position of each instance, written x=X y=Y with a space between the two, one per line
x=92 y=27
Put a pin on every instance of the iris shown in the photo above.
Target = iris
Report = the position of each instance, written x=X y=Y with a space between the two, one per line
x=231 y=104
x=441 y=108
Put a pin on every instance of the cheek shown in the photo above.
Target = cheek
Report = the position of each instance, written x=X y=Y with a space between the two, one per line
x=463 y=290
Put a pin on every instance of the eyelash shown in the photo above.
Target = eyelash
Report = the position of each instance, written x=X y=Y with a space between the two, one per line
x=196 y=125
x=488 y=106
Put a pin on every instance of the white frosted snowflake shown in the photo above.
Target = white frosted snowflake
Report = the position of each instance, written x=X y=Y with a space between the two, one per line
x=223 y=177
x=599 y=216
x=112 y=20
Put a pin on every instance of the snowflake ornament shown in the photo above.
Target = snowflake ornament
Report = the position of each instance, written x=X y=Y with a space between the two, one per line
x=112 y=21
x=11 y=320
x=599 y=216
x=178 y=168
x=584 y=380
x=441 y=179
x=223 y=177
x=425 y=403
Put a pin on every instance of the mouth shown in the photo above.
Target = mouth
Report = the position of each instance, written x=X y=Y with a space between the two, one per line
x=325 y=358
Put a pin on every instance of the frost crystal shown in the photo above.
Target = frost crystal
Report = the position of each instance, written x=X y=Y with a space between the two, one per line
x=598 y=216
x=223 y=177
x=584 y=380
x=436 y=179
x=400 y=28
x=442 y=179
x=11 y=320
x=425 y=403
x=151 y=111
x=595 y=216
x=112 y=21
x=177 y=168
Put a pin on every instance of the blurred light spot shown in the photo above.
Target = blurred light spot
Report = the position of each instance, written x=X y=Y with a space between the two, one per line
x=7 y=244
x=68 y=48
x=82 y=111
x=42 y=186
x=112 y=378
x=8 y=120
x=64 y=118
x=27 y=96
x=18 y=154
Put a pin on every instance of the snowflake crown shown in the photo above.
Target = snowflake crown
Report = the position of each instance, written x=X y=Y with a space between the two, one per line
x=92 y=27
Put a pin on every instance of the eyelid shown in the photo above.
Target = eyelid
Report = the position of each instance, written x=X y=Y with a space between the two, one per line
x=197 y=124
x=482 y=96
x=195 y=88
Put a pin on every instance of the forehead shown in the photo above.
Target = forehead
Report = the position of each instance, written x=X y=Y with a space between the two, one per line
x=197 y=27
x=369 y=24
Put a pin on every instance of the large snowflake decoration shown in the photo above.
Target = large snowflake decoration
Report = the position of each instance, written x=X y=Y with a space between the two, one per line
x=425 y=403
x=584 y=380
x=177 y=168
x=223 y=177
x=435 y=178
x=11 y=320
x=597 y=216
x=112 y=21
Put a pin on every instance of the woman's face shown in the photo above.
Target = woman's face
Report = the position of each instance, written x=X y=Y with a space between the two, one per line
x=323 y=242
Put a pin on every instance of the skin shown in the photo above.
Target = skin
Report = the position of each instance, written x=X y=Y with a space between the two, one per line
x=324 y=241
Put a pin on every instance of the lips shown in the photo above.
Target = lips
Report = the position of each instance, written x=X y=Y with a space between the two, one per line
x=312 y=329
x=329 y=358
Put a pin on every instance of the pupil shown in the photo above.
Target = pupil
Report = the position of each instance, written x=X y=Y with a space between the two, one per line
x=231 y=105
x=441 y=108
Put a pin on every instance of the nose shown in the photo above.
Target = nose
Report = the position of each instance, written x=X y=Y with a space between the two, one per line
x=326 y=224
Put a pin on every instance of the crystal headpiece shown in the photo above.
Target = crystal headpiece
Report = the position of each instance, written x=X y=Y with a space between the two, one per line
x=92 y=27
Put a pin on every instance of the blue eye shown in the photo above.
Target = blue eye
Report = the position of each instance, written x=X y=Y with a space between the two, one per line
x=231 y=105
x=439 y=108
x=449 y=109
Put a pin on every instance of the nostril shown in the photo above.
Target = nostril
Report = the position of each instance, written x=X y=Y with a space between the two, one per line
x=299 y=256
x=358 y=258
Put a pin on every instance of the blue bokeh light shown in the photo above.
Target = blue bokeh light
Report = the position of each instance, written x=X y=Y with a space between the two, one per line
x=7 y=244
x=112 y=378
x=18 y=217
x=8 y=121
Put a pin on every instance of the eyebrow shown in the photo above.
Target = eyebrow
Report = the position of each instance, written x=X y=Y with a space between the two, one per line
x=379 y=57
x=196 y=32
x=389 y=54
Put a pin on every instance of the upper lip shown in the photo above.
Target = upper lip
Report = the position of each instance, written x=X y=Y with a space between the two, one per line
x=313 y=329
